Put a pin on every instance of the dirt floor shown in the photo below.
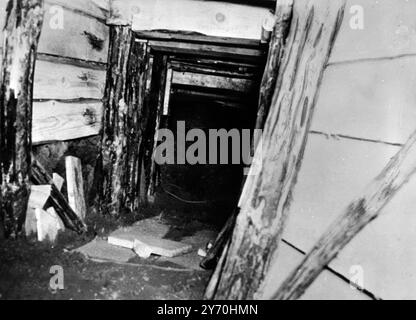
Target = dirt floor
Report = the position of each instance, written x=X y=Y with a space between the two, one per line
x=25 y=266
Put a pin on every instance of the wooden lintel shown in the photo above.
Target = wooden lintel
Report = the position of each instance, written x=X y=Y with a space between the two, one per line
x=206 y=50
x=218 y=19
x=196 y=38
x=266 y=197
x=75 y=186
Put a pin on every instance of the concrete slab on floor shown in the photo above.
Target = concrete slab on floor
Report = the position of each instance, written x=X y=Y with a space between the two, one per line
x=99 y=249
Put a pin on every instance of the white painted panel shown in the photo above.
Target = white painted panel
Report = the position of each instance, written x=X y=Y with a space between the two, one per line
x=389 y=30
x=372 y=100
x=334 y=173
x=64 y=81
x=209 y=18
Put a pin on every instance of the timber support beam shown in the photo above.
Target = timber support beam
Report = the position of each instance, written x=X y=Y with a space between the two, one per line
x=24 y=19
x=118 y=176
x=266 y=197
x=361 y=212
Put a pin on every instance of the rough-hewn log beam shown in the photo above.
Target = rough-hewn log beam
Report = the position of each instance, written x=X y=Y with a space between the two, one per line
x=56 y=200
x=356 y=217
x=118 y=174
x=276 y=45
x=266 y=196
x=209 y=18
x=24 y=20
x=268 y=83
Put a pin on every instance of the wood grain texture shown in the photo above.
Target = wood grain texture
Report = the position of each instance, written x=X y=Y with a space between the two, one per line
x=208 y=18
x=369 y=100
x=216 y=67
x=276 y=45
x=328 y=286
x=359 y=213
x=70 y=34
x=56 y=200
x=98 y=9
x=61 y=121
x=39 y=196
x=57 y=81
x=21 y=35
x=73 y=29
x=208 y=50
x=336 y=170
x=75 y=186
x=212 y=81
x=158 y=85
x=124 y=121
x=266 y=197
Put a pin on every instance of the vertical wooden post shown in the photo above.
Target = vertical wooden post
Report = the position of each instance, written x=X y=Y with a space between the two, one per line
x=267 y=195
x=158 y=89
x=24 y=20
x=268 y=83
x=75 y=186
x=283 y=17
x=119 y=173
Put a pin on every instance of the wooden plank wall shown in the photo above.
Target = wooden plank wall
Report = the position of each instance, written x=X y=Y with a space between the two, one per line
x=211 y=18
x=70 y=70
x=366 y=109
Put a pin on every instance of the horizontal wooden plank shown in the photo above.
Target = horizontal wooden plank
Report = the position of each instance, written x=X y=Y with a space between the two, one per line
x=209 y=18
x=389 y=30
x=212 y=51
x=333 y=173
x=67 y=82
x=328 y=286
x=271 y=4
x=57 y=121
x=70 y=34
x=372 y=100
x=3 y=5
x=212 y=81
x=99 y=9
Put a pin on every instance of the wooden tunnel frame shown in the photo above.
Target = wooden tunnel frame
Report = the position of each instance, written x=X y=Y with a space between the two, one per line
x=124 y=170
x=157 y=62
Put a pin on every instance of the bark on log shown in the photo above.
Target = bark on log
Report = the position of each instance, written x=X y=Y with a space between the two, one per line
x=268 y=83
x=213 y=255
x=124 y=122
x=56 y=200
x=156 y=105
x=24 y=19
x=356 y=217
x=266 y=197
x=75 y=186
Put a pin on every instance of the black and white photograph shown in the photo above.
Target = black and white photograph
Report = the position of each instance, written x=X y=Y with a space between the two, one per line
x=229 y=153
